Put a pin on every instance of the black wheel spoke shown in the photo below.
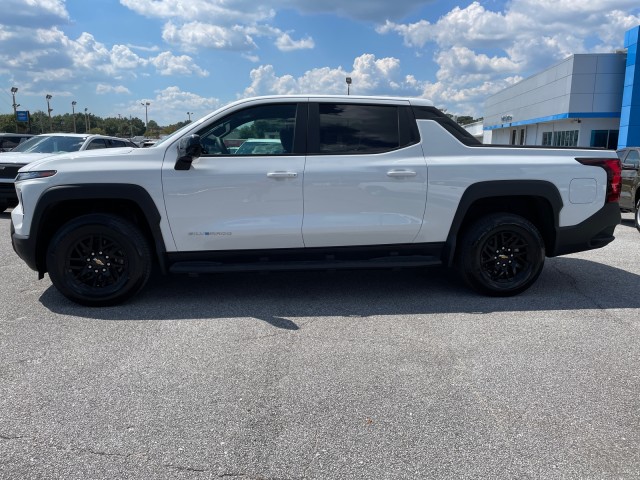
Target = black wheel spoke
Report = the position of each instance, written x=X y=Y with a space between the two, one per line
x=504 y=255
x=96 y=262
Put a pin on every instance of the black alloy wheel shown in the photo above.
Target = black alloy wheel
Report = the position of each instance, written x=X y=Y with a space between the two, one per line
x=501 y=255
x=99 y=260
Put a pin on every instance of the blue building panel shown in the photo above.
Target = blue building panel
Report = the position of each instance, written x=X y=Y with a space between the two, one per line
x=632 y=53
x=632 y=36
x=629 y=77
x=629 y=135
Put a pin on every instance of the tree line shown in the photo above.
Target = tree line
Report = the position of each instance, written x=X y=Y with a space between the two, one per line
x=115 y=126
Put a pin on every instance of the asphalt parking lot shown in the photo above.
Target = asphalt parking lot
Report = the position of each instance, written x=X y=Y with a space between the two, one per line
x=326 y=375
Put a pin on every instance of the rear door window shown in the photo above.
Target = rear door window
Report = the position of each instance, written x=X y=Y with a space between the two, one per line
x=338 y=129
x=96 y=144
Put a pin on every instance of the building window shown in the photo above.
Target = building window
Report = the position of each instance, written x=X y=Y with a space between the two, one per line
x=604 y=139
x=513 y=137
x=546 y=138
x=522 y=137
x=567 y=138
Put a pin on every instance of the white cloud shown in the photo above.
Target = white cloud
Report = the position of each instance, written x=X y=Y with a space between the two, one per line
x=34 y=13
x=171 y=104
x=219 y=12
x=225 y=12
x=479 y=51
x=286 y=44
x=169 y=64
x=103 y=89
x=369 y=76
x=194 y=35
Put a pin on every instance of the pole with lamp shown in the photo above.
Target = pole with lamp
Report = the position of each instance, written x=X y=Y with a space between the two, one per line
x=49 y=110
x=146 y=115
x=86 y=120
x=348 y=80
x=189 y=114
x=73 y=114
x=14 y=90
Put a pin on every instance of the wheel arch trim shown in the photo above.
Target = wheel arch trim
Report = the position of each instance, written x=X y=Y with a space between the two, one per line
x=494 y=190
x=94 y=191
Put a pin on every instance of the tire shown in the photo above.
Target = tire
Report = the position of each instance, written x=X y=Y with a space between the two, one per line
x=98 y=260
x=636 y=216
x=501 y=255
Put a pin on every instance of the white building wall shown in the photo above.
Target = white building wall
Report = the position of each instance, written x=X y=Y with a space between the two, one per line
x=583 y=92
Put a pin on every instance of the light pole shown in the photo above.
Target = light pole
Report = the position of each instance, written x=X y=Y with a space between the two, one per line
x=14 y=90
x=73 y=114
x=49 y=110
x=146 y=114
x=189 y=113
x=86 y=121
x=348 y=80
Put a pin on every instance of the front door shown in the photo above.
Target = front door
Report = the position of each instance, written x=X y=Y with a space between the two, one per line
x=245 y=191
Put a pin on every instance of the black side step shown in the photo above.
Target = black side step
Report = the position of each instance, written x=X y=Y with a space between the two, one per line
x=267 y=265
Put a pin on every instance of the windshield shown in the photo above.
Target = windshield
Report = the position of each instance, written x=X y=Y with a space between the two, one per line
x=27 y=144
x=51 y=144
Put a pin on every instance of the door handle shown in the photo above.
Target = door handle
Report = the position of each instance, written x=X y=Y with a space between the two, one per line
x=282 y=174
x=401 y=173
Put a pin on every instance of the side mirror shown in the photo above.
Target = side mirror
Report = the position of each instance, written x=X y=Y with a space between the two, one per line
x=189 y=148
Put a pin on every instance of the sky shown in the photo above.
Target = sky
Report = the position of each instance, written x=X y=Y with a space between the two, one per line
x=188 y=57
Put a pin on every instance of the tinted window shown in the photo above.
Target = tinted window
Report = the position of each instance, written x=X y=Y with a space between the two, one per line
x=633 y=158
x=262 y=130
x=432 y=113
x=8 y=143
x=95 y=144
x=358 y=128
x=116 y=143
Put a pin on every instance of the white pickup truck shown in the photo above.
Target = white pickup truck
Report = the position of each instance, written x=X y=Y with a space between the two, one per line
x=355 y=182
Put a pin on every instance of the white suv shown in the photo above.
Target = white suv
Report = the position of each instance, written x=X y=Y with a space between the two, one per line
x=41 y=146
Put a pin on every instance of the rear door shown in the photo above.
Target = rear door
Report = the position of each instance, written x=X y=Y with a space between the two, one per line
x=365 y=179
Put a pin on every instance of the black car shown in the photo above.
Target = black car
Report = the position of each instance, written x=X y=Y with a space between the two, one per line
x=9 y=141
x=630 y=195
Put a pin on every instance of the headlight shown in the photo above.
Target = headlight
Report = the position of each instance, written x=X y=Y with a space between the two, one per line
x=31 y=175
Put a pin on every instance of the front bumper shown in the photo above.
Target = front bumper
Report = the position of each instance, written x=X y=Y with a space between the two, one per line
x=25 y=248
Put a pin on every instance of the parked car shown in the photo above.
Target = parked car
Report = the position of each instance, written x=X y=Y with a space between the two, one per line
x=9 y=141
x=41 y=146
x=630 y=193
x=260 y=146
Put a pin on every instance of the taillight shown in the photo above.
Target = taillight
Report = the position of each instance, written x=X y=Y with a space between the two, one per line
x=613 y=167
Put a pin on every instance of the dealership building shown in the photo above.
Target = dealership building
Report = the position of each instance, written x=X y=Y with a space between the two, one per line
x=587 y=100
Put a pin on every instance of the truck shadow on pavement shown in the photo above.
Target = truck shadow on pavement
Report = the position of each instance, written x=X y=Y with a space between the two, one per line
x=566 y=283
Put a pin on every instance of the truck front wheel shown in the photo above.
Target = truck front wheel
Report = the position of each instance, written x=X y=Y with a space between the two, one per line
x=98 y=260
x=501 y=254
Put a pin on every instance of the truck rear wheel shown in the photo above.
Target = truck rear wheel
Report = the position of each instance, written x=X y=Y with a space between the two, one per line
x=98 y=260
x=501 y=254
x=636 y=216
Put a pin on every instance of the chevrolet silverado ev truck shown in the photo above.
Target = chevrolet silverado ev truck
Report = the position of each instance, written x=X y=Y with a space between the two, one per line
x=355 y=182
